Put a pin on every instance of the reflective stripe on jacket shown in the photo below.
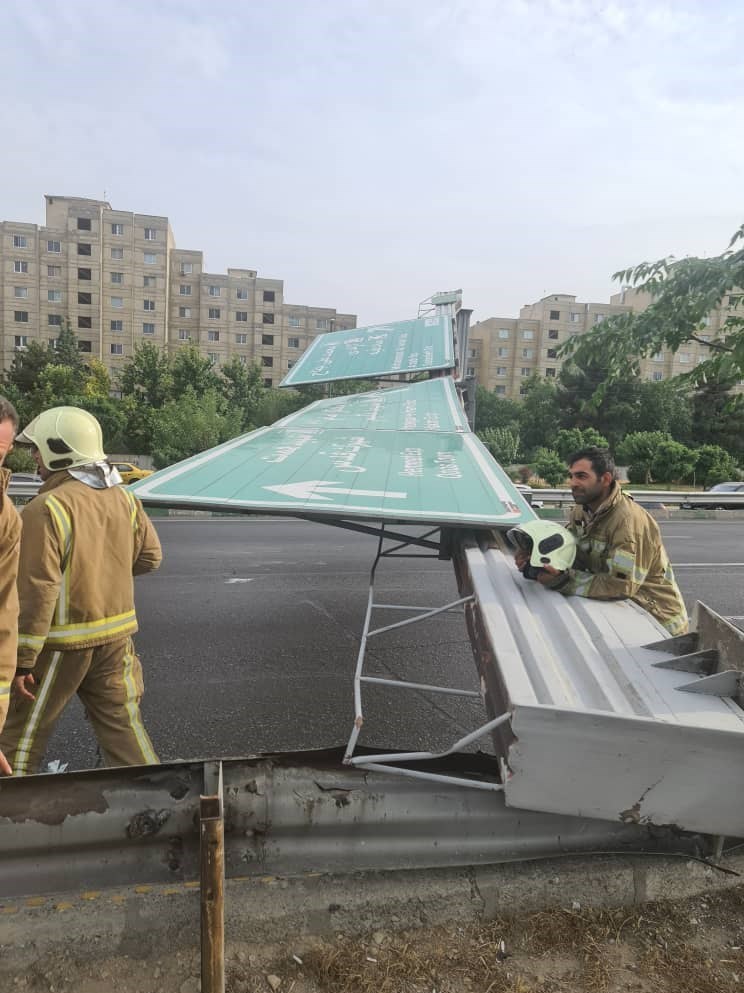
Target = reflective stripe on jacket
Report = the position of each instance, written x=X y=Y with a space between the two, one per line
x=620 y=555
x=10 y=536
x=79 y=550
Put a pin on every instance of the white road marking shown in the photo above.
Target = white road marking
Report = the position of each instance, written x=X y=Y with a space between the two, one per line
x=705 y=565
x=237 y=580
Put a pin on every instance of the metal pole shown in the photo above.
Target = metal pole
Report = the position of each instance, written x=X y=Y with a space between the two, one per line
x=212 y=890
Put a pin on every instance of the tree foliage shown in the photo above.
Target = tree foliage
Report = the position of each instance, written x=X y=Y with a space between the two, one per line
x=550 y=466
x=502 y=443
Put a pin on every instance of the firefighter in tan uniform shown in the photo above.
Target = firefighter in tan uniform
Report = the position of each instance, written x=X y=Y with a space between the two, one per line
x=619 y=553
x=84 y=538
x=10 y=537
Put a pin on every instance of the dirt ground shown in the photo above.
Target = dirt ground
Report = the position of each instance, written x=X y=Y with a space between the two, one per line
x=695 y=946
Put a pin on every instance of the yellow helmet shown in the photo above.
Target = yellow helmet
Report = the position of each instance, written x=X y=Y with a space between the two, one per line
x=66 y=437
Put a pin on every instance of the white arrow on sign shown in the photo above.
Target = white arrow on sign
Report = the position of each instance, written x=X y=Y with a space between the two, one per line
x=319 y=489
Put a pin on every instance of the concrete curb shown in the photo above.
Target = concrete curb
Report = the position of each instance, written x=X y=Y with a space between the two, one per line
x=145 y=922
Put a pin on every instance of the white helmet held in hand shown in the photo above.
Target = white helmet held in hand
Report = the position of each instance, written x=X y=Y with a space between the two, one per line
x=546 y=543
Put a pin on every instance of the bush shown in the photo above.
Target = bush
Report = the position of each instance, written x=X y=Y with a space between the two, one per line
x=550 y=466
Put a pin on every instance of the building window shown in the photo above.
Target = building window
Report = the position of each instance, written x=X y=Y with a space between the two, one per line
x=500 y=391
x=241 y=293
x=83 y=273
x=19 y=266
x=19 y=241
x=83 y=224
x=183 y=335
x=20 y=291
x=150 y=234
x=658 y=357
x=241 y=339
x=148 y=328
x=293 y=342
x=267 y=339
x=269 y=296
x=54 y=247
x=149 y=281
x=215 y=291
x=117 y=302
x=550 y=372
x=524 y=372
x=213 y=335
x=21 y=316
x=150 y=258
x=552 y=353
x=322 y=324
x=267 y=361
x=21 y=340
x=117 y=277
x=268 y=318
x=186 y=268
x=85 y=322
x=501 y=370
x=85 y=298
x=472 y=353
x=528 y=335
x=502 y=352
x=117 y=325
x=53 y=271
x=504 y=333
x=683 y=357
x=117 y=229
x=184 y=290
x=54 y=320
x=527 y=353
x=148 y=305
x=241 y=315
x=555 y=315
x=214 y=313
x=117 y=254
x=184 y=311
x=294 y=322
x=85 y=346
x=116 y=348
x=268 y=382
x=54 y=296
x=213 y=357
x=575 y=317
x=553 y=334
x=290 y=363
x=657 y=377
x=84 y=248
x=598 y=318
x=470 y=371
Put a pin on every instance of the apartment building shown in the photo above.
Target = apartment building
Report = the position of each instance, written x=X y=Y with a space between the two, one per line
x=504 y=352
x=120 y=280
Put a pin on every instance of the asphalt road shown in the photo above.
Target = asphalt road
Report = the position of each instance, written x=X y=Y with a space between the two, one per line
x=249 y=635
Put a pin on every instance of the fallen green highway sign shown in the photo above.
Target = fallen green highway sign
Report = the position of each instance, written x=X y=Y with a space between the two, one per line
x=403 y=454
x=418 y=345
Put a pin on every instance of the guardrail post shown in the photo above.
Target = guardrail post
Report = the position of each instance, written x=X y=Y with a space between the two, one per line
x=212 y=889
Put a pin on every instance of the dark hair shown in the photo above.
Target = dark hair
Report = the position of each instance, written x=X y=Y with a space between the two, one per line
x=600 y=458
x=8 y=412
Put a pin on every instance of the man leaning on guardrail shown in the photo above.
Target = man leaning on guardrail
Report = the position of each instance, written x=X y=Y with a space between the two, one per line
x=10 y=536
x=620 y=554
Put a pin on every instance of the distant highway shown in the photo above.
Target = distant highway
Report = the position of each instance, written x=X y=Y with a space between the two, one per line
x=249 y=636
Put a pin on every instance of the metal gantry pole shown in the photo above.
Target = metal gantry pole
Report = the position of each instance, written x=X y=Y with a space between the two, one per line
x=212 y=888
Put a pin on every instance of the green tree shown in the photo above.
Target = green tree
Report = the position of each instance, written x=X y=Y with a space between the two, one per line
x=718 y=416
x=713 y=464
x=147 y=376
x=65 y=351
x=673 y=462
x=578 y=382
x=191 y=424
x=638 y=451
x=193 y=371
x=683 y=293
x=664 y=406
x=26 y=368
x=502 y=443
x=496 y=412
x=569 y=440
x=540 y=414
x=550 y=466
x=242 y=388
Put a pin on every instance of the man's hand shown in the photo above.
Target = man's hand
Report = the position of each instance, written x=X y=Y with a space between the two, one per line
x=5 y=769
x=22 y=686
x=521 y=558
x=547 y=574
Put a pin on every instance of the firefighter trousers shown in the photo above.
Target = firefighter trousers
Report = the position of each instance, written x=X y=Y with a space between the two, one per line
x=108 y=680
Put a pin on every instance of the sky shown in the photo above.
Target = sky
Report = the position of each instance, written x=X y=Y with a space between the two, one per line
x=373 y=153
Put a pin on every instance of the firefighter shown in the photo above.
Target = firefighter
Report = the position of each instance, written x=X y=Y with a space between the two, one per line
x=10 y=536
x=84 y=537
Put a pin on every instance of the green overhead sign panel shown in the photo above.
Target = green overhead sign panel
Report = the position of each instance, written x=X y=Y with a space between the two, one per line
x=397 y=455
x=413 y=346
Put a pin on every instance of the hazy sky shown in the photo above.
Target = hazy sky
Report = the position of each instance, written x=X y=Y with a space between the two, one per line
x=371 y=153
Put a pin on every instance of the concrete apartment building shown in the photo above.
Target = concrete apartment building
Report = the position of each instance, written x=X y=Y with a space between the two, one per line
x=503 y=352
x=120 y=279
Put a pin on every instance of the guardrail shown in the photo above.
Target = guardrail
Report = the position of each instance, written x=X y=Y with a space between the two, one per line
x=22 y=490
x=678 y=498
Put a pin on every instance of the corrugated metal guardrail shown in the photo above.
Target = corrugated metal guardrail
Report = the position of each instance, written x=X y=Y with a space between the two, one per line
x=23 y=490
x=678 y=498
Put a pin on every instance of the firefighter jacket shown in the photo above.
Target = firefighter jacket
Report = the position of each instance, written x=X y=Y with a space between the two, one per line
x=80 y=548
x=10 y=536
x=620 y=555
